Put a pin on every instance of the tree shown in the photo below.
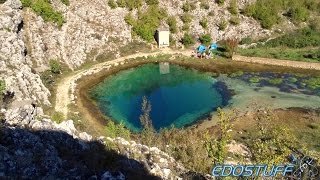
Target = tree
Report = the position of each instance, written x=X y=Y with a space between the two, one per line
x=205 y=39
x=231 y=46
x=187 y=40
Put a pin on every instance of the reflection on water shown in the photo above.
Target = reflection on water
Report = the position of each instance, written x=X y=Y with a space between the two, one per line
x=178 y=96
x=181 y=96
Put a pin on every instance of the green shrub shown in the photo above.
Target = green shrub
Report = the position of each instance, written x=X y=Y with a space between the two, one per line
x=186 y=18
x=220 y=2
x=133 y=4
x=205 y=39
x=152 y=2
x=298 y=14
x=117 y=130
x=112 y=4
x=187 y=7
x=26 y=3
x=129 y=4
x=298 y=39
x=147 y=22
x=187 y=40
x=223 y=25
x=314 y=24
x=204 y=23
x=312 y=4
x=204 y=5
x=233 y=8
x=66 y=2
x=172 y=22
x=265 y=12
x=211 y=13
x=55 y=66
x=130 y=20
x=57 y=117
x=172 y=41
x=46 y=11
x=2 y=88
x=234 y=20
x=246 y=40
x=268 y=12
x=121 y=3
x=185 y=27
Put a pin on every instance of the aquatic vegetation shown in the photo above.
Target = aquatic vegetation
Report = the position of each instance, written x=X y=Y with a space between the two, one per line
x=237 y=74
x=255 y=79
x=313 y=83
x=292 y=79
x=275 y=81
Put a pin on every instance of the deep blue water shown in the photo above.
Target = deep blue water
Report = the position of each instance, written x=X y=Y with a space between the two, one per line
x=177 y=98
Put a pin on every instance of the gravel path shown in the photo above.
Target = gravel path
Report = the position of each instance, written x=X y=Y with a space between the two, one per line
x=277 y=62
x=66 y=87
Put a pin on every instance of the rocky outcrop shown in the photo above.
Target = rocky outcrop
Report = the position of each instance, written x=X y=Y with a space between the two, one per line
x=248 y=27
x=157 y=162
x=38 y=148
x=15 y=67
x=90 y=27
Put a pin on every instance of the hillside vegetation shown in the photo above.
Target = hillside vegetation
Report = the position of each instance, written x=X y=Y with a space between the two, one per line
x=44 y=9
x=302 y=44
x=271 y=12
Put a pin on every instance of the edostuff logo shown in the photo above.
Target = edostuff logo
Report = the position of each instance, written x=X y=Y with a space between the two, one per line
x=299 y=169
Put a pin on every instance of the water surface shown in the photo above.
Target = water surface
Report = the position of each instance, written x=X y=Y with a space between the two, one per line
x=178 y=96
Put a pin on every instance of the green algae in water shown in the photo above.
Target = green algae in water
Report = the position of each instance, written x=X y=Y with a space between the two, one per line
x=275 y=81
x=178 y=98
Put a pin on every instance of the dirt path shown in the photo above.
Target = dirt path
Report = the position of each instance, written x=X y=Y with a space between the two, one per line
x=66 y=87
x=277 y=62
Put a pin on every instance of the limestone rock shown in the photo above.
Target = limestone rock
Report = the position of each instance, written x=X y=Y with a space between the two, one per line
x=85 y=136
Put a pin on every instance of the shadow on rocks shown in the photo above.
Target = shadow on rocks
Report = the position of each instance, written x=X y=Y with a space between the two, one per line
x=26 y=154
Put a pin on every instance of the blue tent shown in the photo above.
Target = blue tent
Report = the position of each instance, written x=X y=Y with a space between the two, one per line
x=213 y=46
x=201 y=49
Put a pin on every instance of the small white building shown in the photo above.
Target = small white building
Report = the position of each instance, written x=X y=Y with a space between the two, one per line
x=162 y=35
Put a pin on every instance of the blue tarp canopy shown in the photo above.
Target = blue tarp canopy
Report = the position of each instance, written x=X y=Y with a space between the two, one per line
x=213 y=46
x=201 y=49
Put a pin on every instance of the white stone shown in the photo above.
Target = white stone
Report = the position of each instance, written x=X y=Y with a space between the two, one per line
x=85 y=136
